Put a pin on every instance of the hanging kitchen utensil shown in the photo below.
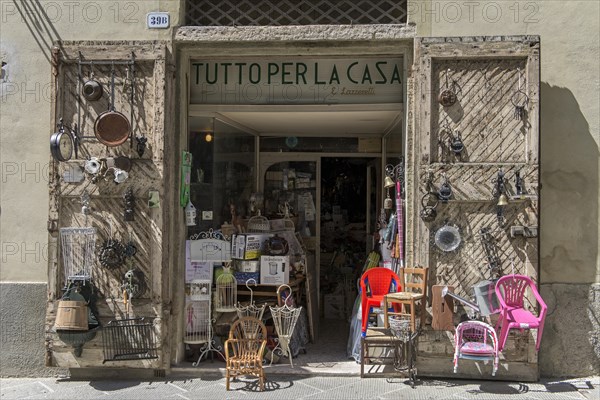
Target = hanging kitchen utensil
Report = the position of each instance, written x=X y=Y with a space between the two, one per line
x=447 y=238
x=455 y=142
x=445 y=191
x=140 y=147
x=448 y=96
x=429 y=202
x=518 y=183
x=129 y=211
x=519 y=100
x=111 y=127
x=92 y=89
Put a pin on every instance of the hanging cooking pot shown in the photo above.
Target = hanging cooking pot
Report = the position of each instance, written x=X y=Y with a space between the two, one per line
x=111 y=127
x=447 y=238
x=92 y=89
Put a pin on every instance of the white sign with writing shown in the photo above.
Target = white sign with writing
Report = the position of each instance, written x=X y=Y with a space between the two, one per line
x=300 y=81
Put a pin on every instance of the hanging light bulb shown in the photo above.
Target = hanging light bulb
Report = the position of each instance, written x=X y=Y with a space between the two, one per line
x=208 y=137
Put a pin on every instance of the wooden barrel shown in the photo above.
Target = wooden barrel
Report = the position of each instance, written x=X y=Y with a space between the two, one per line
x=72 y=316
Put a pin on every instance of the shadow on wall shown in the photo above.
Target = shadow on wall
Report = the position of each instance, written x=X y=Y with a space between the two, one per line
x=39 y=24
x=569 y=174
x=569 y=237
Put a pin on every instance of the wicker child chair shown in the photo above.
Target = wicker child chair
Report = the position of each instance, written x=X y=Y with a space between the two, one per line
x=244 y=350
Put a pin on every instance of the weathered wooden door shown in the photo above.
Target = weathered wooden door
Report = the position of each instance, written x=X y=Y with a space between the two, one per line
x=483 y=143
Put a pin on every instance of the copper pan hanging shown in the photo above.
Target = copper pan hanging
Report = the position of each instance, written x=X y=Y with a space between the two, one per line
x=111 y=127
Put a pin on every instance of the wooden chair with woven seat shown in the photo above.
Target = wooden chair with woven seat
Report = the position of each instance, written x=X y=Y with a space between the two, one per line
x=414 y=284
x=244 y=350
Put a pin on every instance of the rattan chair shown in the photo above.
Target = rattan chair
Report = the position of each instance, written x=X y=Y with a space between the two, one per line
x=244 y=350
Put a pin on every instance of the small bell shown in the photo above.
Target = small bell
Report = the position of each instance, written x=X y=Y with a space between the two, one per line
x=502 y=200
x=388 y=182
x=388 y=203
x=190 y=214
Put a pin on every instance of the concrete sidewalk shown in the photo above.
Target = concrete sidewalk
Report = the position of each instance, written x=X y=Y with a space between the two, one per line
x=212 y=386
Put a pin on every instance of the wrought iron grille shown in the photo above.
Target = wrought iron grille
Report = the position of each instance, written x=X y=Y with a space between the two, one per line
x=294 y=12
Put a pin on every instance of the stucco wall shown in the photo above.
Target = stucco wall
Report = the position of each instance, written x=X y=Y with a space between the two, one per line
x=22 y=315
x=28 y=29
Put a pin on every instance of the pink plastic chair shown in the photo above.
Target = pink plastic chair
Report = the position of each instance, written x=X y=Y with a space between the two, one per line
x=374 y=284
x=510 y=290
x=476 y=340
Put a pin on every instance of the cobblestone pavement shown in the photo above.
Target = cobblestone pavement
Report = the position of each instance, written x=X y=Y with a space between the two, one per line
x=295 y=387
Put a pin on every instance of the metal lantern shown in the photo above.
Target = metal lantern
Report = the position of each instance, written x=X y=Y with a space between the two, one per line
x=226 y=291
x=190 y=214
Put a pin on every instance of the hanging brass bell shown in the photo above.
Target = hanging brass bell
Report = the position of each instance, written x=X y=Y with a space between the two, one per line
x=388 y=182
x=502 y=200
x=388 y=203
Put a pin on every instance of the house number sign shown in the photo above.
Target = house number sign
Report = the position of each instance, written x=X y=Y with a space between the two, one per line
x=158 y=20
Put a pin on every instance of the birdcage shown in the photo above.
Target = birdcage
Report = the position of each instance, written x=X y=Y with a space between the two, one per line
x=226 y=291
x=200 y=290
x=259 y=224
x=198 y=328
x=78 y=247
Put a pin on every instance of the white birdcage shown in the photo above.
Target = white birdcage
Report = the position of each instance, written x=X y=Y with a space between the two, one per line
x=198 y=327
x=200 y=290
x=78 y=247
x=226 y=291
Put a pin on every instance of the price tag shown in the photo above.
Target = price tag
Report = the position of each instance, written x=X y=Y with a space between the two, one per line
x=158 y=20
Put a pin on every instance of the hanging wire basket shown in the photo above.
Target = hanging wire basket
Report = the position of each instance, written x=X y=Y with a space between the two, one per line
x=78 y=246
x=400 y=327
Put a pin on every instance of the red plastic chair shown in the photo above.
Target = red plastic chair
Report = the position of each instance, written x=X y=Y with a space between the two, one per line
x=510 y=290
x=475 y=340
x=374 y=284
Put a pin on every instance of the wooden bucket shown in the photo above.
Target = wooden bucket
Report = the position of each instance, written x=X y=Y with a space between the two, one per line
x=72 y=316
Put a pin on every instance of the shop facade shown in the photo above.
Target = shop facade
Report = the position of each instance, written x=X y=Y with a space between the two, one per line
x=274 y=123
